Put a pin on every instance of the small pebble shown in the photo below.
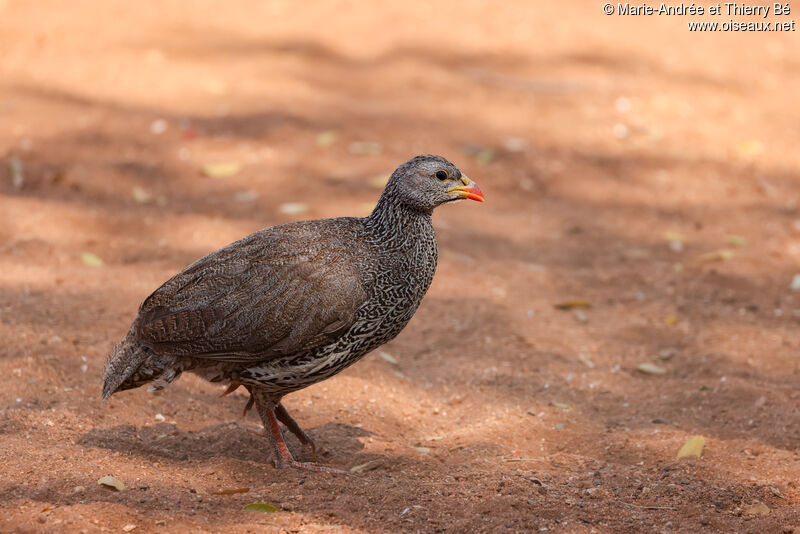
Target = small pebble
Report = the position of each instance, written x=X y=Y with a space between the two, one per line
x=666 y=354
x=158 y=126
x=17 y=177
x=245 y=196
x=795 y=285
x=515 y=144
x=293 y=208
x=623 y=104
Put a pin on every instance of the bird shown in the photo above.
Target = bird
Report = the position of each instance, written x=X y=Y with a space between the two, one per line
x=293 y=304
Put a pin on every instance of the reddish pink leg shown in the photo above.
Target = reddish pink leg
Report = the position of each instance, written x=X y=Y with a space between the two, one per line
x=266 y=407
x=289 y=422
x=284 y=457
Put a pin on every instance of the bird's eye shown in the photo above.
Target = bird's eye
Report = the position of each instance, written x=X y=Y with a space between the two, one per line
x=441 y=175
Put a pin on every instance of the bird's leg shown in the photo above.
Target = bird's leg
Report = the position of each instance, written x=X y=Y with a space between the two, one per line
x=289 y=422
x=283 y=458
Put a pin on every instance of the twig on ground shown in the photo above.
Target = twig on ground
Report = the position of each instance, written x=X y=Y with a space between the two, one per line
x=647 y=507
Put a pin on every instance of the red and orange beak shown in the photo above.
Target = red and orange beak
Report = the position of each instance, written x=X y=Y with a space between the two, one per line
x=471 y=190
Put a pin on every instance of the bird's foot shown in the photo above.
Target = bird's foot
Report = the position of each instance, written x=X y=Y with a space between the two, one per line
x=262 y=433
x=308 y=466
x=271 y=412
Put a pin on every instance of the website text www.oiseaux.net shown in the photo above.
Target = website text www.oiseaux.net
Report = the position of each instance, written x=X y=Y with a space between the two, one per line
x=726 y=9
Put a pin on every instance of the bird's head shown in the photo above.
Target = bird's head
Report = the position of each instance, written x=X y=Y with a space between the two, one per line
x=424 y=182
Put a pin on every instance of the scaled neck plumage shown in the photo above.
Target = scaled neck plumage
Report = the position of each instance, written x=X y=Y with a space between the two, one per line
x=393 y=216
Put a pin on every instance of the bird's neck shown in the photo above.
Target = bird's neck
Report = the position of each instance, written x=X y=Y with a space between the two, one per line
x=391 y=217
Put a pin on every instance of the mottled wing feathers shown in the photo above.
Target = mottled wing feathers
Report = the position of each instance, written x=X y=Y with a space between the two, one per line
x=280 y=291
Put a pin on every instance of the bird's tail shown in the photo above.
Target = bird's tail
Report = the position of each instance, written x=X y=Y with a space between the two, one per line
x=122 y=364
x=132 y=364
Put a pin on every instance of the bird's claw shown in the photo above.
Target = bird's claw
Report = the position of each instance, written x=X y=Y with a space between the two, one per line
x=247 y=406
x=309 y=466
x=231 y=388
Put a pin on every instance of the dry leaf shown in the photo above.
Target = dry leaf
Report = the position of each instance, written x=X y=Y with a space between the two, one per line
x=586 y=358
x=230 y=491
x=365 y=148
x=671 y=320
x=717 y=255
x=388 y=357
x=693 y=447
x=675 y=236
x=222 y=170
x=758 y=508
x=650 y=369
x=570 y=304
x=92 y=260
x=262 y=507
x=128 y=527
x=111 y=482
x=735 y=240
x=560 y=405
x=140 y=195
x=327 y=138
x=369 y=466
x=750 y=148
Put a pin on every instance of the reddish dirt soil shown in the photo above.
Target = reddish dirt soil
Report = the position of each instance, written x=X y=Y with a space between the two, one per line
x=495 y=411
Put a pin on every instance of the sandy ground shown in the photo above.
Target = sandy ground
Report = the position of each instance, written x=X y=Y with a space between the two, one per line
x=650 y=172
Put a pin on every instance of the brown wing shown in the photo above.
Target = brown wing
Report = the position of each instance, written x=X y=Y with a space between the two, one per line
x=280 y=291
